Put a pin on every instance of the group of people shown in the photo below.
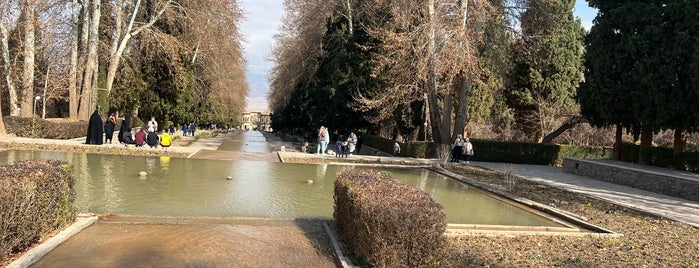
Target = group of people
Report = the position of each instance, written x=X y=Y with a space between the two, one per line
x=189 y=129
x=347 y=147
x=344 y=147
x=461 y=146
x=141 y=138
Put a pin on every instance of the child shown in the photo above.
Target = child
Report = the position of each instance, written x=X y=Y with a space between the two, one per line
x=304 y=148
x=345 y=149
x=338 y=145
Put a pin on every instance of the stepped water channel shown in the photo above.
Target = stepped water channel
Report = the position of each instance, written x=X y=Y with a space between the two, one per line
x=198 y=187
x=266 y=208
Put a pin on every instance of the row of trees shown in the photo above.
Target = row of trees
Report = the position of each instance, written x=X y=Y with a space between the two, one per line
x=177 y=60
x=393 y=65
x=388 y=66
x=642 y=69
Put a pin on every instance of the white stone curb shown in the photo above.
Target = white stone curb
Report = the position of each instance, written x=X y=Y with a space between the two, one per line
x=38 y=252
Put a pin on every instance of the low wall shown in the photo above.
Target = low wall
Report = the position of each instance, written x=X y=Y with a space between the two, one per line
x=672 y=183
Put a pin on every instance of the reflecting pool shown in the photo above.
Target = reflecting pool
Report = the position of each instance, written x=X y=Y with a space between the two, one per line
x=195 y=187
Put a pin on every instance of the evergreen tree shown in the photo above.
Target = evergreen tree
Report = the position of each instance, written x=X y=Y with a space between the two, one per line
x=547 y=66
x=641 y=67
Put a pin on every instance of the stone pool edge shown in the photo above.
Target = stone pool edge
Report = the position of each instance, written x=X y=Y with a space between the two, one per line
x=39 y=251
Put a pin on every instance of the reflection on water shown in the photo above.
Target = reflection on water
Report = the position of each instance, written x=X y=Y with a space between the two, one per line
x=194 y=187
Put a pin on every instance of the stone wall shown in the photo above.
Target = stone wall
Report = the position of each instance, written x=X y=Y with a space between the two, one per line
x=667 y=182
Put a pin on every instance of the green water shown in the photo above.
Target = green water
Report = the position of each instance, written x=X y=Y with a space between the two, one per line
x=194 y=187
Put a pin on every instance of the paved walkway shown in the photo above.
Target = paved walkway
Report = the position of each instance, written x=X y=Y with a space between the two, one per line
x=657 y=204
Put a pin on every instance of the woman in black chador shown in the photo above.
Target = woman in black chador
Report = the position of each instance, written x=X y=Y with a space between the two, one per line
x=125 y=127
x=94 y=130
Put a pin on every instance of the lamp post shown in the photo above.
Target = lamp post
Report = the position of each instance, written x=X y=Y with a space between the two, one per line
x=37 y=98
x=425 y=129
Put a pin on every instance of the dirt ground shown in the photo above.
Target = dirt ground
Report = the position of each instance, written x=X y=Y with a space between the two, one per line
x=647 y=241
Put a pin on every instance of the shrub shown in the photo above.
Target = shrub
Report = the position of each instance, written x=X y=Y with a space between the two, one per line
x=662 y=157
x=387 y=222
x=417 y=149
x=23 y=126
x=36 y=199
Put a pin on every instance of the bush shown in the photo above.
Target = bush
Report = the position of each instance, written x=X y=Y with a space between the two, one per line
x=417 y=149
x=661 y=157
x=36 y=199
x=387 y=222
x=23 y=126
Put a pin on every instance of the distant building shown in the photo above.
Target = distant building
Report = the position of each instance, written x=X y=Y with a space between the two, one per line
x=256 y=121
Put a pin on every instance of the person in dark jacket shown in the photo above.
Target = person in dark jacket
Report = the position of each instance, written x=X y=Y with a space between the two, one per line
x=94 y=129
x=125 y=127
x=152 y=139
x=109 y=128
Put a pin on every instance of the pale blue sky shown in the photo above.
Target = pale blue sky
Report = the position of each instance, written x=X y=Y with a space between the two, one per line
x=263 y=18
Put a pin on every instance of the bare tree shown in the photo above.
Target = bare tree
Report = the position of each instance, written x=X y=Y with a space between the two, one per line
x=133 y=28
x=429 y=53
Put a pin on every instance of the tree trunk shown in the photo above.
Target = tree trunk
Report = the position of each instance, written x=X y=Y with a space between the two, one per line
x=115 y=58
x=646 y=143
x=350 y=23
x=87 y=91
x=464 y=92
x=435 y=113
x=27 y=95
x=680 y=141
x=73 y=73
x=14 y=111
x=572 y=122
x=617 y=142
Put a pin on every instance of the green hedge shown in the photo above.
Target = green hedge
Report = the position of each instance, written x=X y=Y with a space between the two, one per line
x=388 y=223
x=417 y=149
x=661 y=157
x=36 y=199
x=533 y=153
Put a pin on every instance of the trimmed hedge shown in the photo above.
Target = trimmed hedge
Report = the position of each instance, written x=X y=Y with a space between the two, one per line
x=661 y=157
x=36 y=199
x=533 y=153
x=417 y=149
x=22 y=127
x=499 y=151
x=387 y=222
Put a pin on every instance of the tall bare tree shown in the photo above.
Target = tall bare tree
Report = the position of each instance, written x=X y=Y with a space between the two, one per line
x=429 y=53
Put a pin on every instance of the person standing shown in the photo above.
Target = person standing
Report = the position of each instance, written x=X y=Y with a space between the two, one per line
x=152 y=125
x=185 y=129
x=352 y=140
x=338 y=147
x=326 y=133
x=94 y=130
x=457 y=148
x=396 y=148
x=109 y=128
x=468 y=150
x=322 y=140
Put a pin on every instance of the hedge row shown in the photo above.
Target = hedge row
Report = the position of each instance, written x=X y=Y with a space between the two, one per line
x=498 y=151
x=533 y=153
x=417 y=149
x=40 y=128
x=387 y=222
x=36 y=199
x=661 y=157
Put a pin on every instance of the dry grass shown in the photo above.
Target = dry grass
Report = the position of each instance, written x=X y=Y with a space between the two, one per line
x=648 y=241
